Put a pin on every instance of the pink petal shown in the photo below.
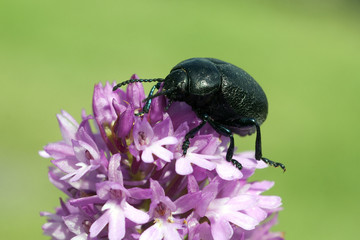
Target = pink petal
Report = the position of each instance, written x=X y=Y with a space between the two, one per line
x=135 y=94
x=140 y=193
x=102 y=102
x=79 y=151
x=183 y=166
x=99 y=224
x=256 y=213
x=74 y=223
x=83 y=236
x=227 y=171
x=83 y=136
x=242 y=220
x=142 y=129
x=134 y=214
x=59 y=150
x=201 y=162
x=192 y=184
x=157 y=110
x=162 y=153
x=212 y=146
x=262 y=186
x=269 y=202
x=115 y=174
x=59 y=231
x=221 y=229
x=93 y=151
x=170 y=233
x=66 y=165
x=164 y=128
x=116 y=224
x=68 y=126
x=80 y=172
x=261 y=165
x=157 y=189
x=125 y=121
x=147 y=156
x=69 y=117
x=187 y=202
x=44 y=154
x=241 y=202
x=154 y=233
x=247 y=159
x=167 y=141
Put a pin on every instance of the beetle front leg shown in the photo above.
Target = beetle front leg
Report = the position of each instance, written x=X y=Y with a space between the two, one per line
x=258 y=149
x=146 y=107
x=230 y=152
x=192 y=133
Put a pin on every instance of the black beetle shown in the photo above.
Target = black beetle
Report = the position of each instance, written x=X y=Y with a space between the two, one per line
x=221 y=94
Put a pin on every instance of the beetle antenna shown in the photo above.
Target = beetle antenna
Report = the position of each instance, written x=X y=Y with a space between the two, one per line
x=164 y=92
x=137 y=80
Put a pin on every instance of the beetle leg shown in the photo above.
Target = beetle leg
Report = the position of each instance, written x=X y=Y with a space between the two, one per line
x=275 y=164
x=192 y=133
x=168 y=105
x=230 y=152
x=146 y=107
x=258 y=150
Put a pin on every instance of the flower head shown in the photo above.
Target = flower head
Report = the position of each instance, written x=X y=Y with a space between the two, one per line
x=126 y=176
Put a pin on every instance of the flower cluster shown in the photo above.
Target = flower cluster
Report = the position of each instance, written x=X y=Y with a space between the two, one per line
x=126 y=177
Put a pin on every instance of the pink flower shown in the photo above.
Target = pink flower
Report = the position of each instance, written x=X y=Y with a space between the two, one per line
x=116 y=207
x=126 y=177
x=165 y=225
x=151 y=141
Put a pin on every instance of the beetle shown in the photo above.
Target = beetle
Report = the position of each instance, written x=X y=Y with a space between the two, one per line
x=221 y=94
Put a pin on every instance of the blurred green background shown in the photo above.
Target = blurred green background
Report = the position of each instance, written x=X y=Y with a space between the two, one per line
x=305 y=55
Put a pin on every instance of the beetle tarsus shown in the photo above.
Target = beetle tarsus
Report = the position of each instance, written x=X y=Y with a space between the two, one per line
x=236 y=164
x=275 y=164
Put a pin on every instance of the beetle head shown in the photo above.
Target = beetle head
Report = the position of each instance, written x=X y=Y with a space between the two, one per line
x=176 y=85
